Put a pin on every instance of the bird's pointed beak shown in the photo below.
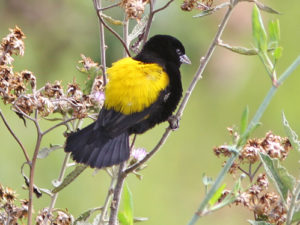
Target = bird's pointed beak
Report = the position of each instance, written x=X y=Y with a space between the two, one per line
x=185 y=59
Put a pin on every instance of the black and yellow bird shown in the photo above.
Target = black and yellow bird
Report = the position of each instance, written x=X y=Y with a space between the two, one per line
x=142 y=92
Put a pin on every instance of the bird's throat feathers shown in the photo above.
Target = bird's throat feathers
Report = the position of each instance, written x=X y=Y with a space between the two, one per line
x=133 y=85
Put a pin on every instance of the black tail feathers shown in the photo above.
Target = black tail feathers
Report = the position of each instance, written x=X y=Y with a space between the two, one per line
x=96 y=149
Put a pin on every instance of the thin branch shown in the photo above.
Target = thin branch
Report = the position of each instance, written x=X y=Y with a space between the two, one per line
x=292 y=207
x=151 y=153
x=23 y=114
x=188 y=93
x=113 y=32
x=15 y=137
x=162 y=8
x=97 y=5
x=151 y=16
x=108 y=7
x=32 y=171
x=149 y=22
x=57 y=125
x=107 y=199
x=114 y=208
x=60 y=178
x=256 y=170
x=244 y=171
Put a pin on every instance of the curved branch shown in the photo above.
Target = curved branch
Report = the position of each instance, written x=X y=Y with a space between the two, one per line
x=15 y=137
x=113 y=32
x=57 y=125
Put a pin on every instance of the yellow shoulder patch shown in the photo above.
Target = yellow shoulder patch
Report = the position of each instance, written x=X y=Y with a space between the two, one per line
x=133 y=85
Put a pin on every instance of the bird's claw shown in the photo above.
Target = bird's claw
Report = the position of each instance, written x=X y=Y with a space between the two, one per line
x=173 y=122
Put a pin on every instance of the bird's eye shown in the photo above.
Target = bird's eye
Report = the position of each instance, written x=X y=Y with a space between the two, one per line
x=178 y=51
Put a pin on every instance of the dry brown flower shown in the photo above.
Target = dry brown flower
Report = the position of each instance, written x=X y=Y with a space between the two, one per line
x=222 y=150
x=11 y=44
x=251 y=150
x=189 y=5
x=134 y=8
x=9 y=194
x=262 y=181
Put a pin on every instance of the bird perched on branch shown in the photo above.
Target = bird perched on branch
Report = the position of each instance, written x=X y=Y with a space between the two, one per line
x=142 y=91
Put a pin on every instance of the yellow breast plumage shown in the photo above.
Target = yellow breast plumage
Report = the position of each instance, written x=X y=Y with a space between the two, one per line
x=133 y=85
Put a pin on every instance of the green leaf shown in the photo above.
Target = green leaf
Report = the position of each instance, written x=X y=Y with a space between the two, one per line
x=126 y=216
x=231 y=197
x=253 y=222
x=258 y=30
x=283 y=181
x=277 y=53
x=293 y=137
x=274 y=32
x=244 y=120
x=216 y=195
x=70 y=177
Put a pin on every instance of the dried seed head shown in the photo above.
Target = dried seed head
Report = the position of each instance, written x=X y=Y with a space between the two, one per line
x=222 y=150
x=134 y=8
x=251 y=150
x=189 y=5
x=262 y=181
x=9 y=195
x=275 y=146
x=11 y=44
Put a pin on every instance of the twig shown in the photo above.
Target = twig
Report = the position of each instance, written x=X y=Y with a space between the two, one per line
x=108 y=7
x=107 y=199
x=292 y=207
x=151 y=153
x=262 y=108
x=151 y=16
x=256 y=170
x=32 y=170
x=97 y=5
x=117 y=196
x=15 y=137
x=188 y=93
x=112 y=31
x=244 y=171
x=125 y=34
x=118 y=189
x=57 y=125
x=60 y=178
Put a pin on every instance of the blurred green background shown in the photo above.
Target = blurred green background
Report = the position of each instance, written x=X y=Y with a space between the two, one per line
x=59 y=31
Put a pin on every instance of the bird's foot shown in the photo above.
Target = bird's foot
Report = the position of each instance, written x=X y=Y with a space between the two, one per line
x=174 y=122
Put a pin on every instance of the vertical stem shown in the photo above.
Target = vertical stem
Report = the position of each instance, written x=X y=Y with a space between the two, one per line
x=107 y=200
x=125 y=34
x=113 y=219
x=32 y=170
x=60 y=178
x=98 y=5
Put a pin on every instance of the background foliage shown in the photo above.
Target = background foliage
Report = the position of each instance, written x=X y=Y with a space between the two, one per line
x=58 y=32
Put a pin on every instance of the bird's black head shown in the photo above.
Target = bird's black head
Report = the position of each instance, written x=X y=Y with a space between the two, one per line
x=162 y=49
